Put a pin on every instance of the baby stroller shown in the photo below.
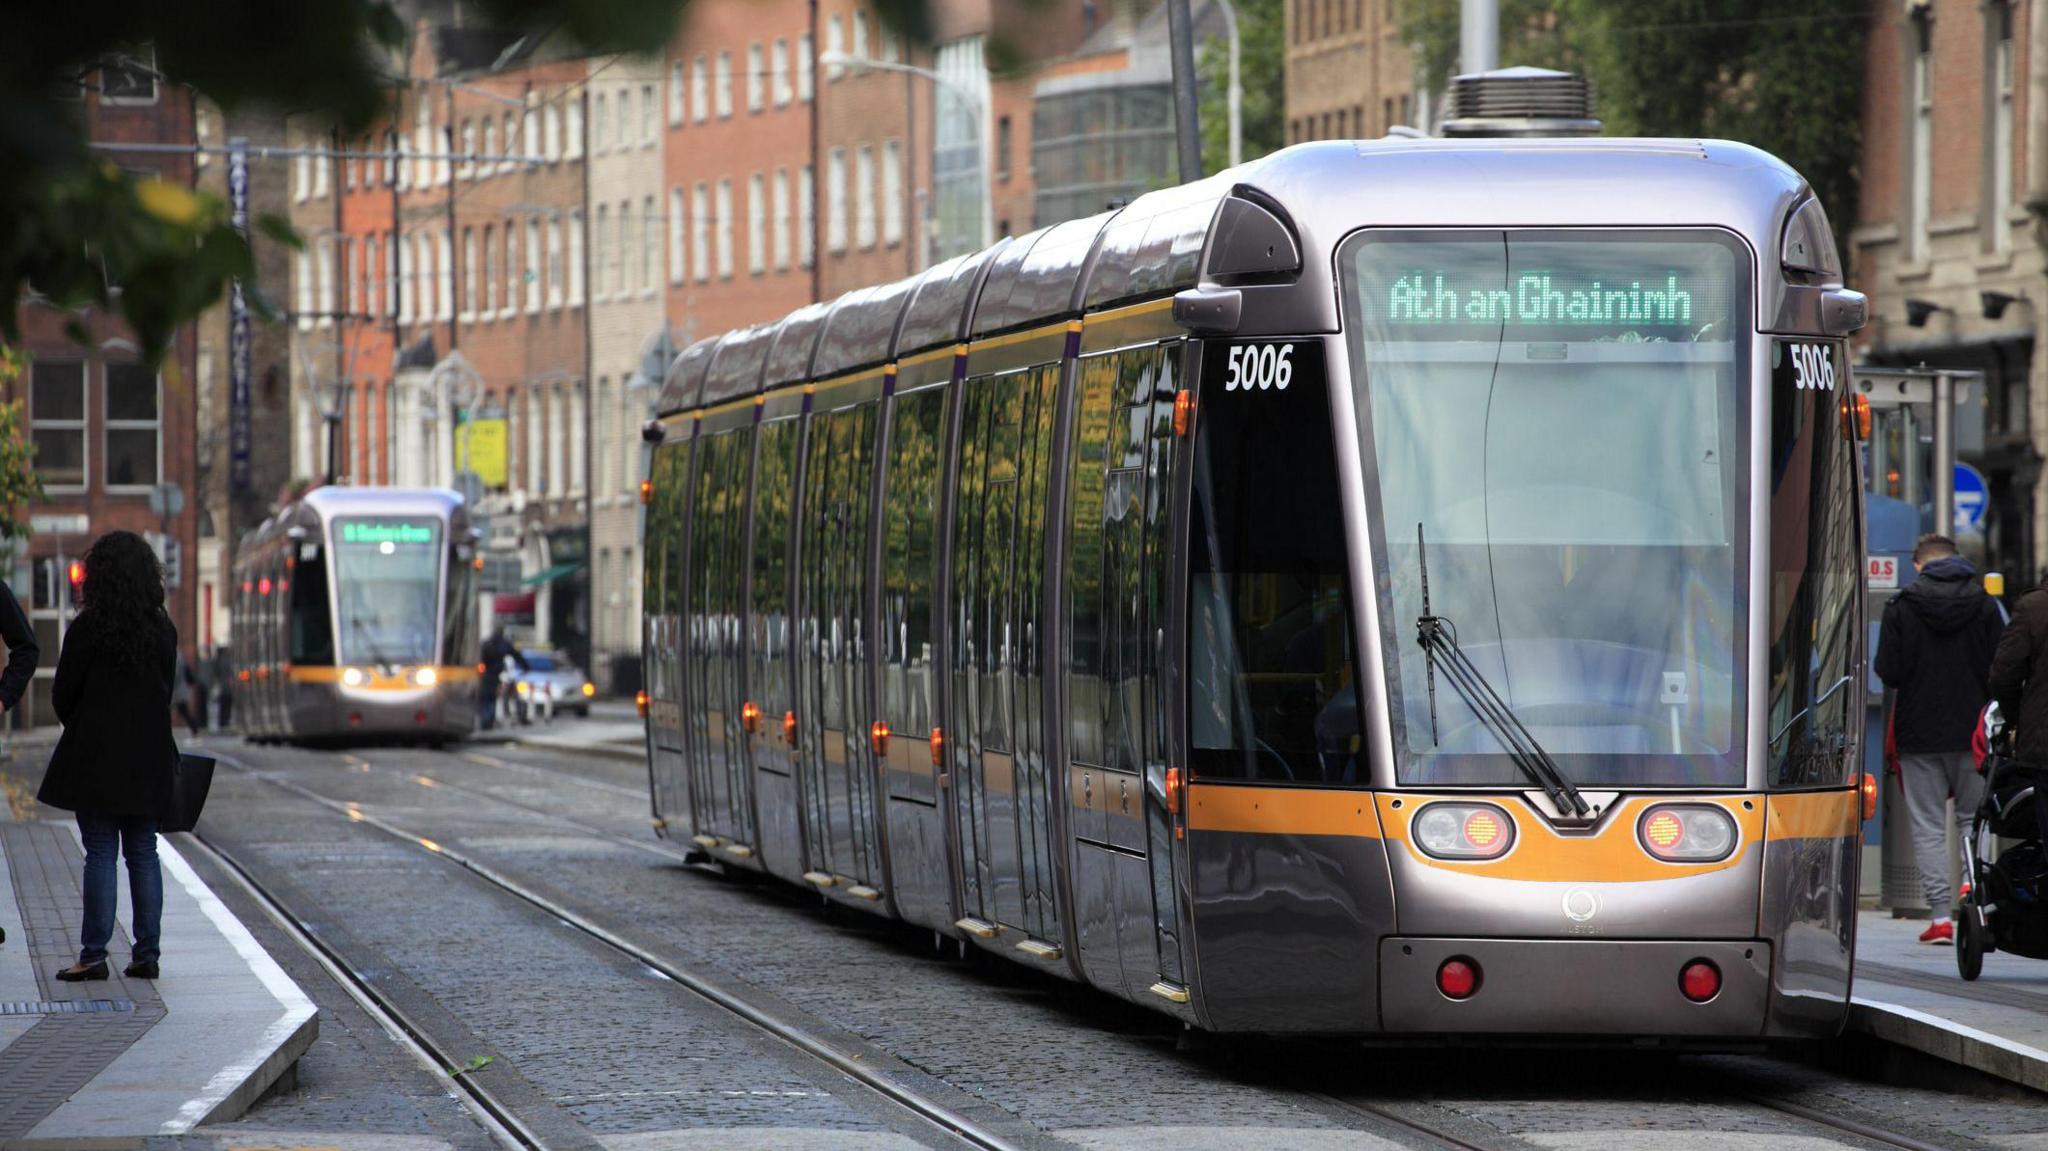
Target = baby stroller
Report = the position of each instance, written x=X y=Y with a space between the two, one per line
x=2005 y=900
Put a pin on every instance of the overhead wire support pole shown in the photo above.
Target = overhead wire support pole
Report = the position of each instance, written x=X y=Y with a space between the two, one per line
x=1186 y=119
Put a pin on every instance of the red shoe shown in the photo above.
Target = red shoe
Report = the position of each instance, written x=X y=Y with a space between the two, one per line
x=1939 y=932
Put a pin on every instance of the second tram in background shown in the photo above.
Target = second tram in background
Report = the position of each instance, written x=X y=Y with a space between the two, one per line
x=355 y=619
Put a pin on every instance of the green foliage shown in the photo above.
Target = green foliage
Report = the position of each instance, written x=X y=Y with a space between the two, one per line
x=71 y=222
x=1787 y=80
x=20 y=486
x=1262 y=49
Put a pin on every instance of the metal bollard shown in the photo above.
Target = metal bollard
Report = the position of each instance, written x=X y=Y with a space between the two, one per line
x=1901 y=888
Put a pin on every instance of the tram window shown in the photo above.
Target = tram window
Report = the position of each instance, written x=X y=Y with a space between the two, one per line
x=312 y=628
x=387 y=582
x=458 y=613
x=768 y=614
x=1816 y=574
x=1556 y=433
x=1271 y=680
x=1086 y=704
x=909 y=549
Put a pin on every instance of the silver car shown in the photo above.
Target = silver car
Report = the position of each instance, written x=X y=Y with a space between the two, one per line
x=550 y=683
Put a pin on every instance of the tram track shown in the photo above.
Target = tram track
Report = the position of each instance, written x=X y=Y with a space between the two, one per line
x=930 y=1112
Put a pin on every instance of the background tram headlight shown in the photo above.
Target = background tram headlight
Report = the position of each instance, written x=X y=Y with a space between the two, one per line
x=1687 y=834
x=424 y=677
x=1463 y=831
x=352 y=677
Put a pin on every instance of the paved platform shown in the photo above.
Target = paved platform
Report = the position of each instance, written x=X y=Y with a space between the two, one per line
x=129 y=1058
x=1909 y=993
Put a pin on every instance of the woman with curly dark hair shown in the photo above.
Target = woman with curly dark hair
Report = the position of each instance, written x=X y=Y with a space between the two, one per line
x=114 y=764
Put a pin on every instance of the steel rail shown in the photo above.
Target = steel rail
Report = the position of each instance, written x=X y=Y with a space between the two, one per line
x=930 y=1110
x=496 y=1118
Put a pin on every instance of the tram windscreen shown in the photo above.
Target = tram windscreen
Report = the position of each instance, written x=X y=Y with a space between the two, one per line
x=387 y=583
x=1556 y=423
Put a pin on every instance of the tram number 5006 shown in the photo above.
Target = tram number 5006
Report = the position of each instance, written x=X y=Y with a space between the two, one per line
x=1261 y=366
x=1813 y=366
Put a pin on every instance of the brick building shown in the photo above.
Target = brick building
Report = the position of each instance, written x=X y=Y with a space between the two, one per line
x=1349 y=73
x=107 y=428
x=1955 y=151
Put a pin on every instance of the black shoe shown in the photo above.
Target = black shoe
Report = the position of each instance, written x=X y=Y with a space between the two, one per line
x=140 y=969
x=80 y=974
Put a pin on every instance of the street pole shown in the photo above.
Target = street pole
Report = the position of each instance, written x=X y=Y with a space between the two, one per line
x=1234 y=99
x=1186 y=119
x=1479 y=35
x=1944 y=454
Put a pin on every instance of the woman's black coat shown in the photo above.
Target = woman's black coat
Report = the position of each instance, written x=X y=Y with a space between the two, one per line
x=116 y=754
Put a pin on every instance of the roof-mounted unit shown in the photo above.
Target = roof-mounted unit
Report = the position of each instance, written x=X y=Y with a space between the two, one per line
x=1521 y=102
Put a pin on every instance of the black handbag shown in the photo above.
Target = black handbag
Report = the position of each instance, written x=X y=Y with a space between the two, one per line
x=190 y=782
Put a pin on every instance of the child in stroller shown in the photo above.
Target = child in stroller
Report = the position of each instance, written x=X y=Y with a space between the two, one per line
x=2005 y=900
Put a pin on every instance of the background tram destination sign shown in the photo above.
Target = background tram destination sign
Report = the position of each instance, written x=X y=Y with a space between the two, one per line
x=388 y=535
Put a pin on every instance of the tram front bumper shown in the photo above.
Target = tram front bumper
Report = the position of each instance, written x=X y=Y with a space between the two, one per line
x=1575 y=987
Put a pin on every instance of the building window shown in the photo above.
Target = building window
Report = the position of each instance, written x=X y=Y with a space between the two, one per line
x=599 y=121
x=575 y=259
x=558 y=435
x=393 y=257
x=56 y=417
x=465 y=168
x=891 y=50
x=623 y=138
x=489 y=159
x=324 y=255
x=531 y=272
x=835 y=200
x=351 y=284
x=469 y=276
x=860 y=35
x=1920 y=135
x=700 y=232
x=320 y=166
x=725 y=229
x=1003 y=141
x=807 y=217
x=756 y=79
x=778 y=72
x=444 y=283
x=864 y=196
x=511 y=270
x=806 y=67
x=647 y=276
x=757 y=224
x=373 y=281
x=302 y=175
x=579 y=399
x=675 y=234
x=1998 y=128
x=133 y=406
x=572 y=113
x=603 y=248
x=621 y=266
x=129 y=78
x=490 y=272
x=536 y=481
x=551 y=131
x=675 y=94
x=700 y=90
x=781 y=219
x=647 y=128
x=723 y=88
x=557 y=281
x=892 y=192
x=505 y=158
x=835 y=41
x=405 y=300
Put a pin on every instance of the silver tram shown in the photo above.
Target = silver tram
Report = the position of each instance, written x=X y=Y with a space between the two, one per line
x=1399 y=587
x=355 y=619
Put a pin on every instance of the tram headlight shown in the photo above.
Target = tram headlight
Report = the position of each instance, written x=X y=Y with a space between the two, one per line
x=1689 y=833
x=1463 y=831
x=424 y=677
x=352 y=677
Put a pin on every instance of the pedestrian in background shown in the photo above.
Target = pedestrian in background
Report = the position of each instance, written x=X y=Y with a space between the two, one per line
x=1934 y=651
x=2019 y=682
x=22 y=654
x=114 y=764
x=496 y=651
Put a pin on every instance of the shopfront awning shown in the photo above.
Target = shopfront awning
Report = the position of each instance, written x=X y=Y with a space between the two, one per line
x=552 y=573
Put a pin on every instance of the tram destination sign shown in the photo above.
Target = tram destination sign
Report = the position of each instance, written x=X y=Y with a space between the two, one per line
x=1425 y=297
x=396 y=532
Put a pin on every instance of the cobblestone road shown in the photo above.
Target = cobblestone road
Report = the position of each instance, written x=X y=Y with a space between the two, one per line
x=599 y=1050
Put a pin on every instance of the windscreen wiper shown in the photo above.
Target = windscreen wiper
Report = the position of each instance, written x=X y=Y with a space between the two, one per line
x=1439 y=640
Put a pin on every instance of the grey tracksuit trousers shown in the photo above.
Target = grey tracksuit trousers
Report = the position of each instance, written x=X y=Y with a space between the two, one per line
x=1929 y=778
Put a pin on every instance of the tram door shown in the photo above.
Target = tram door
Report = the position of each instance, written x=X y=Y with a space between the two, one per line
x=999 y=677
x=663 y=579
x=833 y=705
x=719 y=793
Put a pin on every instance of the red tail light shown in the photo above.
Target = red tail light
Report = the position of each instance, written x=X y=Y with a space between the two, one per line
x=1700 y=980
x=1458 y=977
x=640 y=703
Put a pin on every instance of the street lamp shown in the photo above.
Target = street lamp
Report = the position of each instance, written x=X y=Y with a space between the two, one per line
x=972 y=99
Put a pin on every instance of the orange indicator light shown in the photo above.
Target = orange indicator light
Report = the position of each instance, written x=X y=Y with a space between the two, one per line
x=1482 y=829
x=1183 y=411
x=938 y=747
x=646 y=491
x=640 y=703
x=1664 y=831
x=1869 y=790
x=878 y=737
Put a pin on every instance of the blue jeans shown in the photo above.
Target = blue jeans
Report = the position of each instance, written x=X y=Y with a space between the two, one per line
x=134 y=837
